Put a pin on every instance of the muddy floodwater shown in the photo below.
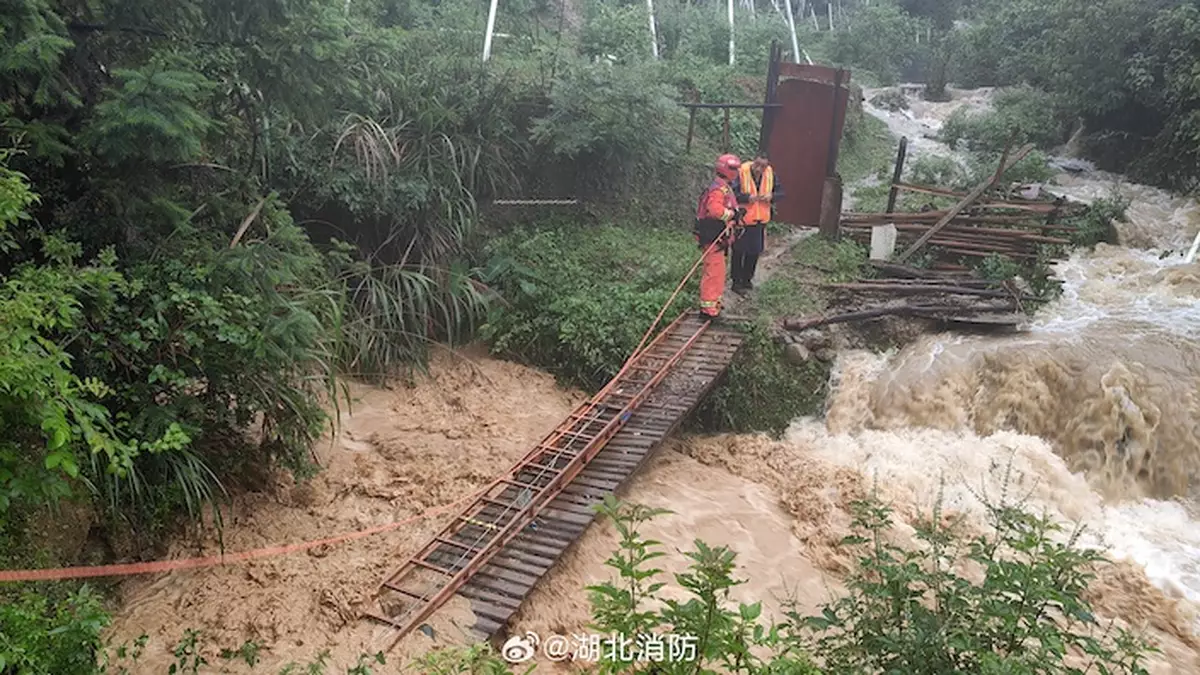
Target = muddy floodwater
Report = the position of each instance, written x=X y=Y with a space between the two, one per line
x=1095 y=408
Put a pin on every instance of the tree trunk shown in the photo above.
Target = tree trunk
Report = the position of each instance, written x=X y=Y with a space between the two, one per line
x=935 y=80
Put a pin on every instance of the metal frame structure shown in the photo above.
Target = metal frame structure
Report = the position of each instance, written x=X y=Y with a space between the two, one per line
x=512 y=503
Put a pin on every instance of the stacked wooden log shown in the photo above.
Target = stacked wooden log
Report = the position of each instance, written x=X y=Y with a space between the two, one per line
x=959 y=299
x=984 y=222
x=993 y=228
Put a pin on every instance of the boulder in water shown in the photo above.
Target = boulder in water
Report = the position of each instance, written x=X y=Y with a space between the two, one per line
x=892 y=100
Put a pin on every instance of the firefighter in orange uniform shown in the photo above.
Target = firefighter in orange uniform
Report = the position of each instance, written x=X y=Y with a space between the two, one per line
x=716 y=212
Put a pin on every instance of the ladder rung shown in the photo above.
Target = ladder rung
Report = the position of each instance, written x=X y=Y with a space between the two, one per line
x=558 y=450
x=435 y=568
x=552 y=454
x=578 y=434
x=552 y=457
x=527 y=486
x=591 y=416
x=451 y=542
x=389 y=585
x=383 y=619
x=540 y=471
x=502 y=505
x=556 y=469
x=492 y=527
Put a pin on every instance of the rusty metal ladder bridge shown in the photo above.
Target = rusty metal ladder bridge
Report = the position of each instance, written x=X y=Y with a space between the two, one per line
x=497 y=548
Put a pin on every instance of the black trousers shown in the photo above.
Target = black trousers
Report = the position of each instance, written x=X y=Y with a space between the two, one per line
x=742 y=266
x=743 y=259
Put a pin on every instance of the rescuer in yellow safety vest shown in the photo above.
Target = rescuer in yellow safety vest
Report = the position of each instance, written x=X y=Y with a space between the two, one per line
x=756 y=189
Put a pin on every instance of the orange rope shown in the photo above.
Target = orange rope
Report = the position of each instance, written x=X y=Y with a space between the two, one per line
x=126 y=569
x=650 y=331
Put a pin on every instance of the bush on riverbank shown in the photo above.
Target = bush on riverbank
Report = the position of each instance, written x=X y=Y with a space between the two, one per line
x=222 y=232
x=1017 y=116
x=907 y=609
x=912 y=609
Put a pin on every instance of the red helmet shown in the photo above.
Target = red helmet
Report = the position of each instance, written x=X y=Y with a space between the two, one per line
x=728 y=165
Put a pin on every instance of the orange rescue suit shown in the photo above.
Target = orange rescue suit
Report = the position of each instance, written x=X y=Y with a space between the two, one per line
x=718 y=205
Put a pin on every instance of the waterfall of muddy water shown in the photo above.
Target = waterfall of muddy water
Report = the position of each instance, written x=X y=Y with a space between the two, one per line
x=1098 y=402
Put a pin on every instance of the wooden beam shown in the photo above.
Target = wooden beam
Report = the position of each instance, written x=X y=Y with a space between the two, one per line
x=734 y=106
x=1001 y=203
x=971 y=197
x=897 y=173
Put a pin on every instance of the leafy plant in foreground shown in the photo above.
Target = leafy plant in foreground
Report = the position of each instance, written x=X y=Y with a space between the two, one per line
x=1009 y=601
x=474 y=660
x=917 y=610
x=718 y=635
x=36 y=638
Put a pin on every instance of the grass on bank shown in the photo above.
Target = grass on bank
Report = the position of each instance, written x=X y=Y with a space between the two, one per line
x=869 y=149
x=762 y=391
x=579 y=295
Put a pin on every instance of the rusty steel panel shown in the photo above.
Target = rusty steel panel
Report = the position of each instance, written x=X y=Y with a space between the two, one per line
x=799 y=142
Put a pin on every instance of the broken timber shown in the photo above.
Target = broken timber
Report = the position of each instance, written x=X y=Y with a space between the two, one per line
x=1004 y=315
x=926 y=294
x=496 y=550
x=1015 y=228
x=966 y=201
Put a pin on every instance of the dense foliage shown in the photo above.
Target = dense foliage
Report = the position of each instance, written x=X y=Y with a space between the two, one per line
x=238 y=203
x=1133 y=93
x=909 y=609
x=210 y=210
x=552 y=318
x=1131 y=97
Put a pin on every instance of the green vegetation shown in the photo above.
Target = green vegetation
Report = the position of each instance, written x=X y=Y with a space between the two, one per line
x=868 y=150
x=211 y=211
x=913 y=610
x=579 y=297
x=1018 y=116
x=907 y=609
x=878 y=40
x=39 y=637
x=761 y=390
x=1120 y=67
